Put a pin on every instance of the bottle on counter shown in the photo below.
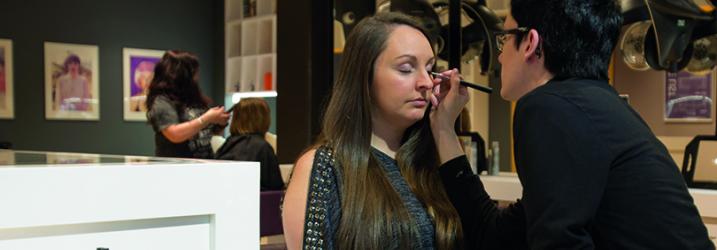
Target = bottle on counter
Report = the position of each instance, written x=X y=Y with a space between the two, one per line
x=494 y=168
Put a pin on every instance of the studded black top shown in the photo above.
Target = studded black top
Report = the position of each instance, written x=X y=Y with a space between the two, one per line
x=323 y=209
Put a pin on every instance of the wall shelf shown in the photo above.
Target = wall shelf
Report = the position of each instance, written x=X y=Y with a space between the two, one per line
x=239 y=95
x=250 y=45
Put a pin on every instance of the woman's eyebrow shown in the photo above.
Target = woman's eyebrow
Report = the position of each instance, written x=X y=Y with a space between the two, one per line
x=414 y=58
x=411 y=57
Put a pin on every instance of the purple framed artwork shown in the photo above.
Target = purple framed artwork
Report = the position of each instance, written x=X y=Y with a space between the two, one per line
x=6 y=83
x=138 y=68
x=688 y=97
x=71 y=82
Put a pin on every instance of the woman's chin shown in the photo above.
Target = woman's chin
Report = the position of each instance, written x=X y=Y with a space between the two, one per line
x=415 y=117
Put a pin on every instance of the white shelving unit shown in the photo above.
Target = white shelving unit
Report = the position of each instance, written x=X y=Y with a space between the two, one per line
x=250 y=45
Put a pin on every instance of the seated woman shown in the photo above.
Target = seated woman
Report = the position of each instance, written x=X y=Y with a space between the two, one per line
x=371 y=180
x=250 y=122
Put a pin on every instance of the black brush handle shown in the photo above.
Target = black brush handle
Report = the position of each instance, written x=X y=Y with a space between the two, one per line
x=482 y=88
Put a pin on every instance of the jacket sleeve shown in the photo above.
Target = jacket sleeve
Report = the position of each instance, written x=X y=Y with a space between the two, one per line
x=563 y=166
x=485 y=226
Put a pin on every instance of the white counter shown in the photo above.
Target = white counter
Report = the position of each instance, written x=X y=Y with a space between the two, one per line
x=115 y=202
x=506 y=187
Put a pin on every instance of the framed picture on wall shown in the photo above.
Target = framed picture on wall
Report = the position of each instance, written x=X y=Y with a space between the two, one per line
x=6 y=83
x=689 y=97
x=138 y=70
x=71 y=82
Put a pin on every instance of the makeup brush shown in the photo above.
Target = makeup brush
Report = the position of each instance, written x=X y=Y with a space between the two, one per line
x=467 y=84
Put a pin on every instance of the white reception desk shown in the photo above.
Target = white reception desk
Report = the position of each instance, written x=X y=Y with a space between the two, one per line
x=506 y=187
x=86 y=201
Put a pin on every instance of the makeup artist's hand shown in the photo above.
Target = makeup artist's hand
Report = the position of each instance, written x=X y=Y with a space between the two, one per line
x=448 y=98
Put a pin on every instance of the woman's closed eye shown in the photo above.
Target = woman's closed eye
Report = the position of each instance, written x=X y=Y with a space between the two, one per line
x=406 y=68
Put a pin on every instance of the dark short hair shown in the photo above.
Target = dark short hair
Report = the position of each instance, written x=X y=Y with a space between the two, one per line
x=578 y=36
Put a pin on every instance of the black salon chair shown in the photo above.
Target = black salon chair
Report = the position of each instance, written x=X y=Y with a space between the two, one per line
x=5 y=145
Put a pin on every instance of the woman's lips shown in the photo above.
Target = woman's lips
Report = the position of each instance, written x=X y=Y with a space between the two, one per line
x=419 y=102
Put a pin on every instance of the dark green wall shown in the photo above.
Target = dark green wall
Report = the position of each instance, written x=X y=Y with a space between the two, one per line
x=192 y=25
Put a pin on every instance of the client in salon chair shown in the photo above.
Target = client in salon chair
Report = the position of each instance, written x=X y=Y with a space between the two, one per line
x=250 y=123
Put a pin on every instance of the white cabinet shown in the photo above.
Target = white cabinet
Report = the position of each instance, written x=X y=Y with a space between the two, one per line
x=250 y=47
x=83 y=201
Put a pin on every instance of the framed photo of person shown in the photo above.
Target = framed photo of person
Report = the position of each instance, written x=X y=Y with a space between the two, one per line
x=689 y=97
x=6 y=83
x=71 y=82
x=138 y=70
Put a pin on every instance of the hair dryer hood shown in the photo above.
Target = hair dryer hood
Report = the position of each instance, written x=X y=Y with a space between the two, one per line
x=668 y=41
x=673 y=23
x=477 y=27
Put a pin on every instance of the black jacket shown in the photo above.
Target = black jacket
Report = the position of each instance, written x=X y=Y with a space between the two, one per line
x=253 y=147
x=594 y=177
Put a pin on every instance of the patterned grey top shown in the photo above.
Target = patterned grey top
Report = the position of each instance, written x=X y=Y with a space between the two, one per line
x=323 y=208
x=165 y=113
x=415 y=208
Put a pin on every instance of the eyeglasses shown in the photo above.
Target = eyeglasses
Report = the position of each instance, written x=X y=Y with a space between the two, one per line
x=502 y=36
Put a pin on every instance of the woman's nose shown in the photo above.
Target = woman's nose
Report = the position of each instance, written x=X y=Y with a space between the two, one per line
x=425 y=81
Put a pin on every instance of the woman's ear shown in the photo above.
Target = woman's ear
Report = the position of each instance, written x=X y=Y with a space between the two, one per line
x=533 y=48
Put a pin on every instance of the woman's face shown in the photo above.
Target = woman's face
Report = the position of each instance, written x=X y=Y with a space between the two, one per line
x=144 y=78
x=73 y=68
x=401 y=83
x=512 y=63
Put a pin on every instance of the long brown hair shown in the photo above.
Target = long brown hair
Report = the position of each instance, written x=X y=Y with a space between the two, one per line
x=175 y=78
x=251 y=115
x=372 y=210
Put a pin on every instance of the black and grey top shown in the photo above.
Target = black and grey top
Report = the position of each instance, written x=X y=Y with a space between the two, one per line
x=323 y=209
x=166 y=112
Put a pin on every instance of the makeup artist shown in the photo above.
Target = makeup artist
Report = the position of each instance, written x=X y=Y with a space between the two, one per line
x=593 y=174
